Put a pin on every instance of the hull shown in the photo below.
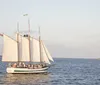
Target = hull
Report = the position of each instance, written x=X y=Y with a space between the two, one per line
x=26 y=70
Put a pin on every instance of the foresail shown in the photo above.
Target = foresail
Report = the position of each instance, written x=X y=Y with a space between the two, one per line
x=10 y=51
x=47 y=52
x=35 y=53
x=44 y=57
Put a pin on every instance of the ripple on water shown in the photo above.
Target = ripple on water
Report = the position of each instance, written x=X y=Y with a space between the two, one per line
x=65 y=72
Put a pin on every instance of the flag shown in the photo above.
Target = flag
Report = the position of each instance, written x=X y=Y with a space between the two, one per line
x=25 y=15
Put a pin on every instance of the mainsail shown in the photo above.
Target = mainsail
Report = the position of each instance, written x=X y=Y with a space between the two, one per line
x=10 y=51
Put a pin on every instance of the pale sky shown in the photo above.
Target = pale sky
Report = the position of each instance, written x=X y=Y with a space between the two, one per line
x=70 y=28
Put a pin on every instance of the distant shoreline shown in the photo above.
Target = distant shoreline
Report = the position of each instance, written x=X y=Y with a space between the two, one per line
x=71 y=58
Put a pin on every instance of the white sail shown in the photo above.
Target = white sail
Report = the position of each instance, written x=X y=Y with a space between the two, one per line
x=35 y=52
x=44 y=57
x=10 y=51
x=47 y=52
x=25 y=49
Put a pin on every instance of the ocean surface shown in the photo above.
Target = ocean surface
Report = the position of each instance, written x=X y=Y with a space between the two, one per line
x=64 y=72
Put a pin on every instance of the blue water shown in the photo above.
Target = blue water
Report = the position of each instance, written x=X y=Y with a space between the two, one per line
x=65 y=72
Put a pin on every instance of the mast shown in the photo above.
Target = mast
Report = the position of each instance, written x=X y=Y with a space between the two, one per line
x=29 y=40
x=29 y=37
x=40 y=45
x=18 y=41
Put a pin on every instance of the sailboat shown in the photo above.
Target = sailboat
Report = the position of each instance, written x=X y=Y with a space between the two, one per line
x=25 y=49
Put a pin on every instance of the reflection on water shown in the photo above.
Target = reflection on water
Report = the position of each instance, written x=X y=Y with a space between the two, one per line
x=34 y=79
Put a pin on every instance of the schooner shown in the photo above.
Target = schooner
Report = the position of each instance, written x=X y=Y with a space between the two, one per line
x=23 y=49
